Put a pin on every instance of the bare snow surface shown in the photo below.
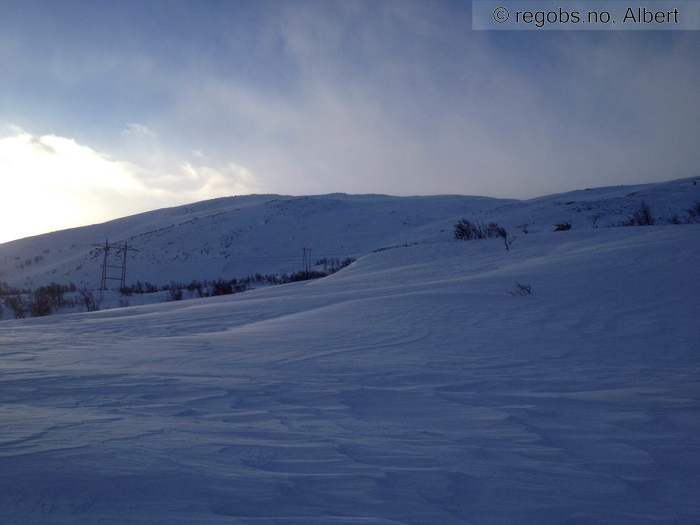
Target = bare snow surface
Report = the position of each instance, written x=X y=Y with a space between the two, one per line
x=409 y=388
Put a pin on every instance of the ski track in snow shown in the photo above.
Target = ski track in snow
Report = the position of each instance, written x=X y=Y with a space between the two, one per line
x=409 y=388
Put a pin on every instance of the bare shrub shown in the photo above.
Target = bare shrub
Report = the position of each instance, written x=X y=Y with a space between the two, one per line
x=18 y=306
x=334 y=264
x=48 y=298
x=6 y=289
x=466 y=230
x=92 y=304
x=501 y=232
x=41 y=305
x=694 y=213
x=521 y=290
x=175 y=293
x=641 y=217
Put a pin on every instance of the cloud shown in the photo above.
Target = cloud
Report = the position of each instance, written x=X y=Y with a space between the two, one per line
x=395 y=97
x=139 y=131
x=401 y=100
x=51 y=182
x=225 y=180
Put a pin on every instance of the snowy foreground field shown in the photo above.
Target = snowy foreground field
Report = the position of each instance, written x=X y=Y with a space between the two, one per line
x=410 y=387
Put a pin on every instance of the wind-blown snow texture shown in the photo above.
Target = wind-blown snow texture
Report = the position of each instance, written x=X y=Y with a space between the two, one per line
x=408 y=388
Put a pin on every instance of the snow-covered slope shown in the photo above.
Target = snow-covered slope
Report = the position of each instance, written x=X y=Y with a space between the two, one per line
x=232 y=237
x=237 y=236
x=409 y=388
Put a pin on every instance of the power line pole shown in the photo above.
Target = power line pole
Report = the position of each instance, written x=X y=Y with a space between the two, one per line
x=103 y=280
x=122 y=250
x=126 y=250
x=306 y=261
x=303 y=259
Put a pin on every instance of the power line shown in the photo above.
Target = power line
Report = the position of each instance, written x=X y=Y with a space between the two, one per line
x=121 y=250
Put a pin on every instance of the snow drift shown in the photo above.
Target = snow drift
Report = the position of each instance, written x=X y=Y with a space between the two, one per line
x=411 y=387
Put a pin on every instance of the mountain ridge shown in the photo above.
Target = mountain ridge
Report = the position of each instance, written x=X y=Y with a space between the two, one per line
x=236 y=236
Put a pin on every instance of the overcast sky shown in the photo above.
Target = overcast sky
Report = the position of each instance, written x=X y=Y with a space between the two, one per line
x=108 y=108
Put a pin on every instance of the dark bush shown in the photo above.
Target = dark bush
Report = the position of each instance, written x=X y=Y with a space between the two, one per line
x=303 y=276
x=224 y=287
x=18 y=306
x=46 y=299
x=521 y=289
x=641 y=217
x=40 y=306
x=466 y=230
x=333 y=264
x=6 y=289
x=175 y=293
x=91 y=303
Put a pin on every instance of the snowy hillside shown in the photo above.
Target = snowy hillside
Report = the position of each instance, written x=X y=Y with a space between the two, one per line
x=409 y=388
x=237 y=236
x=232 y=237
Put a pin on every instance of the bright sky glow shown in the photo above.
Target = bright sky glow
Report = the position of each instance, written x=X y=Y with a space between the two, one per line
x=50 y=183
